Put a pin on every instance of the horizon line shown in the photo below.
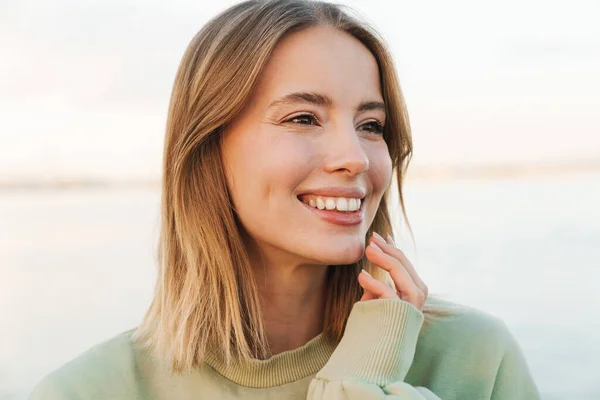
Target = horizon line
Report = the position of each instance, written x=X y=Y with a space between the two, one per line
x=417 y=173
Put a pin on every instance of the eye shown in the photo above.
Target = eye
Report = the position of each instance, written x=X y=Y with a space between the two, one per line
x=374 y=126
x=309 y=119
x=303 y=117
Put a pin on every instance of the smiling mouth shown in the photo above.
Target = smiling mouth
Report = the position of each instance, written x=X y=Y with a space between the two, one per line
x=352 y=217
x=343 y=205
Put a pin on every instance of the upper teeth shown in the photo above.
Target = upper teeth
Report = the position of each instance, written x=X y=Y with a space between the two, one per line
x=330 y=203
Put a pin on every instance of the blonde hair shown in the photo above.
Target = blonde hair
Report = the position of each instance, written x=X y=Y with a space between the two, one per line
x=206 y=295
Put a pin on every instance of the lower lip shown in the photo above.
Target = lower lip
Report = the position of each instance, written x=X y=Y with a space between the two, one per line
x=338 y=217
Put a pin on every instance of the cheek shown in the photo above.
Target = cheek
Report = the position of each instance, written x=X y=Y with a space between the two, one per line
x=266 y=174
x=380 y=170
x=283 y=164
x=264 y=169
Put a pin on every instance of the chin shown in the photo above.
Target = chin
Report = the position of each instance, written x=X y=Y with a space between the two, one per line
x=348 y=255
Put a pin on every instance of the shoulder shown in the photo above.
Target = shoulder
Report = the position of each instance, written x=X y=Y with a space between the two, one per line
x=466 y=325
x=468 y=336
x=471 y=351
x=94 y=371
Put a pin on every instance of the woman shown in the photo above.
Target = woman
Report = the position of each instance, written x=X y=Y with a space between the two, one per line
x=285 y=127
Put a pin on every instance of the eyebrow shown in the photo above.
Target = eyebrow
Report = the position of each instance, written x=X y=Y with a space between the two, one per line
x=322 y=100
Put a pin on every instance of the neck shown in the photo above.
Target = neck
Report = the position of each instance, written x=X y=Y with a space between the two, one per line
x=293 y=306
x=292 y=298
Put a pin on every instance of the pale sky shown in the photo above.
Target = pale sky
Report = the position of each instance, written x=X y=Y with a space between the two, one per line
x=84 y=85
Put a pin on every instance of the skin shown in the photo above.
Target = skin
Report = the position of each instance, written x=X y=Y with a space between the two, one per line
x=271 y=153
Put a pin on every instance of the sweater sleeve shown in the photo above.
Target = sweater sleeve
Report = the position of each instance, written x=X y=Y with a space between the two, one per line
x=513 y=379
x=374 y=355
x=49 y=389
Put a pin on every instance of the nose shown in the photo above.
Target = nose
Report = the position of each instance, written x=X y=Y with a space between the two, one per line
x=345 y=152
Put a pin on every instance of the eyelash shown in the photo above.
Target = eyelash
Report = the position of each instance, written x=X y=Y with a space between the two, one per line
x=378 y=124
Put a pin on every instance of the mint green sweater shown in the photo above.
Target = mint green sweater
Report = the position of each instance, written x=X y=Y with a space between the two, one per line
x=386 y=353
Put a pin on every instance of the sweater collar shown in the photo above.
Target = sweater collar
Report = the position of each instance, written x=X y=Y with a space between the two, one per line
x=282 y=368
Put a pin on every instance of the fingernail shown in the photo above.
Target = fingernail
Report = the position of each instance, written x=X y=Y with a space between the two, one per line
x=378 y=236
x=375 y=246
x=390 y=240
x=365 y=271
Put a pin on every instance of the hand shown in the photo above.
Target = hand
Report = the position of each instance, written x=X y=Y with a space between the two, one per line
x=409 y=286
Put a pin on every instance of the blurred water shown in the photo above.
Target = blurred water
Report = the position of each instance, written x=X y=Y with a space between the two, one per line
x=78 y=266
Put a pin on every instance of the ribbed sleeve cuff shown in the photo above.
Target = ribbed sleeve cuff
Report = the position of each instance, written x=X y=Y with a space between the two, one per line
x=379 y=343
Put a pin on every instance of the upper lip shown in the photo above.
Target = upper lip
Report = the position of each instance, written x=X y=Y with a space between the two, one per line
x=337 y=191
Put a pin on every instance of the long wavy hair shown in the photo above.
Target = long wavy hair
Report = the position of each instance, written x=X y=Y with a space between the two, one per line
x=206 y=295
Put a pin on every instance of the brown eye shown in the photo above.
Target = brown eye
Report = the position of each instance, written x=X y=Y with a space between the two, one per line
x=302 y=119
x=374 y=126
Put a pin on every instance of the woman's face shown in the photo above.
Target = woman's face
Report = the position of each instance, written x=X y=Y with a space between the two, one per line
x=283 y=151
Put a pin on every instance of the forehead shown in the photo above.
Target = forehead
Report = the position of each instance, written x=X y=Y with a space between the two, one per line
x=321 y=59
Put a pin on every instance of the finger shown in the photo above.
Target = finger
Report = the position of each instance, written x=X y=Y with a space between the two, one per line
x=368 y=295
x=391 y=249
x=377 y=288
x=402 y=279
x=395 y=251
